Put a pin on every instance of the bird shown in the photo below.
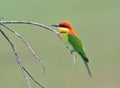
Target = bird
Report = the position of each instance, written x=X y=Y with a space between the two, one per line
x=72 y=41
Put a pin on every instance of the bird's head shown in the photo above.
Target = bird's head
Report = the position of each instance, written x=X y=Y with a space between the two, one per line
x=63 y=27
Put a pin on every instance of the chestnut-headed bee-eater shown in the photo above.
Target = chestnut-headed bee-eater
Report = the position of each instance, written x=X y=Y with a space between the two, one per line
x=72 y=40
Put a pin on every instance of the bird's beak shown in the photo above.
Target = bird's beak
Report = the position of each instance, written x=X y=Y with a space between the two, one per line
x=55 y=25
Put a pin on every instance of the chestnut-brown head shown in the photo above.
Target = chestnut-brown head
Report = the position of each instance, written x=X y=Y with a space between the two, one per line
x=65 y=27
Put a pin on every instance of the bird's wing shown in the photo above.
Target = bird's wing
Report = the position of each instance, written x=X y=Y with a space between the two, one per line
x=77 y=45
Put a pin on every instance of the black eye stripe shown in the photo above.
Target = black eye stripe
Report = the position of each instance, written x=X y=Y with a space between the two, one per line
x=63 y=26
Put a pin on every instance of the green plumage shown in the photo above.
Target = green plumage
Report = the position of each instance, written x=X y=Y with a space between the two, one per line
x=77 y=45
x=73 y=43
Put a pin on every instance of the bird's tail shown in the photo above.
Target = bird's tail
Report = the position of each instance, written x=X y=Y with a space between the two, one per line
x=88 y=69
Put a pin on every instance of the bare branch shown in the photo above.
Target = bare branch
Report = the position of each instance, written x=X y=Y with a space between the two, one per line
x=32 y=23
x=20 y=63
x=28 y=46
x=74 y=56
x=18 y=58
x=33 y=78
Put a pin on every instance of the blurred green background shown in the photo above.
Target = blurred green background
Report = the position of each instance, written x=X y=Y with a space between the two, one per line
x=96 y=21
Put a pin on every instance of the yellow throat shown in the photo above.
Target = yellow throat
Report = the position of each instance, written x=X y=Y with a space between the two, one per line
x=63 y=30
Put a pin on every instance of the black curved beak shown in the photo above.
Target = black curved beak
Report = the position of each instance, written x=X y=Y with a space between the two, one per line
x=55 y=25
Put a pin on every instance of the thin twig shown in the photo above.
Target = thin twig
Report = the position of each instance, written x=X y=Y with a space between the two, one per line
x=74 y=57
x=26 y=43
x=18 y=58
x=20 y=63
x=28 y=46
x=32 y=23
x=33 y=78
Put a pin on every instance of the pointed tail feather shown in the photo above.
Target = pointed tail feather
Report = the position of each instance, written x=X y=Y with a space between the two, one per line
x=88 y=69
